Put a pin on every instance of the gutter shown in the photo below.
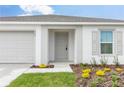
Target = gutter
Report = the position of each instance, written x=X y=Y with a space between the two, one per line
x=62 y=23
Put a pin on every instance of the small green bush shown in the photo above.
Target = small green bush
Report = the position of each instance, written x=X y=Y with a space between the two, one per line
x=116 y=61
x=93 y=84
x=97 y=81
x=93 y=62
x=84 y=64
x=103 y=61
x=115 y=79
x=114 y=84
x=100 y=80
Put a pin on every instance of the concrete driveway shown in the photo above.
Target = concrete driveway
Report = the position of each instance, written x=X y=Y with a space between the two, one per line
x=9 y=72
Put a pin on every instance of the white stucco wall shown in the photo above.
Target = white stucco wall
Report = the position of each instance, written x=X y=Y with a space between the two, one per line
x=87 y=43
x=71 y=39
x=80 y=41
x=78 y=57
x=51 y=45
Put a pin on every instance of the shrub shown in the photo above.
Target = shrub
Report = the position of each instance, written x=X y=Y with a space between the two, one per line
x=114 y=84
x=103 y=61
x=84 y=64
x=115 y=79
x=93 y=84
x=100 y=80
x=97 y=81
x=116 y=61
x=93 y=62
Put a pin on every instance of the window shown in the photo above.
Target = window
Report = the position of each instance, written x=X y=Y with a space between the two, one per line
x=106 y=42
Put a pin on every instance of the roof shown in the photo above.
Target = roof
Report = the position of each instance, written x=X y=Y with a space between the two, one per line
x=55 y=18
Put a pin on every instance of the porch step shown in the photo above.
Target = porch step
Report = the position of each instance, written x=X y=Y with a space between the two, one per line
x=61 y=65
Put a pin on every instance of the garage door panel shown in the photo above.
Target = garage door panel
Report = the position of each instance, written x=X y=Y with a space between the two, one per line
x=17 y=47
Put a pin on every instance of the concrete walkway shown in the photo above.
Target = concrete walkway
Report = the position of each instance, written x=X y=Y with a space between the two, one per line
x=58 y=67
x=9 y=72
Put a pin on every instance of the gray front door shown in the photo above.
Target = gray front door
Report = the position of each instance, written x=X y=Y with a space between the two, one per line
x=61 y=46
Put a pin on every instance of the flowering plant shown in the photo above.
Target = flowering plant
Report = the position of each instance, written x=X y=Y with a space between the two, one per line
x=85 y=75
x=119 y=69
x=42 y=66
x=107 y=69
x=86 y=70
x=100 y=73
x=34 y=65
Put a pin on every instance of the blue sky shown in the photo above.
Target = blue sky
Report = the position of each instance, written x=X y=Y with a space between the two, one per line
x=113 y=12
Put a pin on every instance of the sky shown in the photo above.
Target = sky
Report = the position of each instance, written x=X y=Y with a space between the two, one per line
x=110 y=11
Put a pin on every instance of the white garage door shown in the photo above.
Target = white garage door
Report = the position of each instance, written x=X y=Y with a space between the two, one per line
x=17 y=47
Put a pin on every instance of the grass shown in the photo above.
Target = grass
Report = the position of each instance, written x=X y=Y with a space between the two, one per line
x=55 y=79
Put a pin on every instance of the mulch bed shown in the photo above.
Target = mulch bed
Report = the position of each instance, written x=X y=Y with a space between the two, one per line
x=82 y=82
x=48 y=66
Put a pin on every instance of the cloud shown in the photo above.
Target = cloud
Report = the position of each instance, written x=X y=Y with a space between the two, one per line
x=25 y=14
x=40 y=9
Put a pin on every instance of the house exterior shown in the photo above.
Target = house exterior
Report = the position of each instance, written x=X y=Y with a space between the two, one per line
x=58 y=38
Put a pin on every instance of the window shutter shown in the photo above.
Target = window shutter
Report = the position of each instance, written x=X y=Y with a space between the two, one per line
x=95 y=43
x=118 y=40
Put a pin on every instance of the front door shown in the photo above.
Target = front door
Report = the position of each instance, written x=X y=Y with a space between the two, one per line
x=61 y=46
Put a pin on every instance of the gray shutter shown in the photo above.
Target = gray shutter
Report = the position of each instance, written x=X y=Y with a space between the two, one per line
x=118 y=40
x=95 y=43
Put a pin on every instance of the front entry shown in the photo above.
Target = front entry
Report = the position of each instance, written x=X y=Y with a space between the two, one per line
x=61 y=46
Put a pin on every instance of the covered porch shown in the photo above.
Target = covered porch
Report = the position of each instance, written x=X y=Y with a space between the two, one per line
x=59 y=44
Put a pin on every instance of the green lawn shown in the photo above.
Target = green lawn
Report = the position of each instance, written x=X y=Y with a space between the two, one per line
x=55 y=79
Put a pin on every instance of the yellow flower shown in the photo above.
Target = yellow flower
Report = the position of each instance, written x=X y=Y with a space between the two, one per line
x=100 y=73
x=85 y=75
x=86 y=70
x=42 y=66
x=107 y=69
x=119 y=69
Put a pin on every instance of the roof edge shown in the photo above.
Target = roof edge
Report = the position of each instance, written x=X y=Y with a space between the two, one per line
x=63 y=23
x=63 y=16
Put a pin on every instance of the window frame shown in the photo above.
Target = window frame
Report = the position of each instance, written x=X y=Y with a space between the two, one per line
x=107 y=30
